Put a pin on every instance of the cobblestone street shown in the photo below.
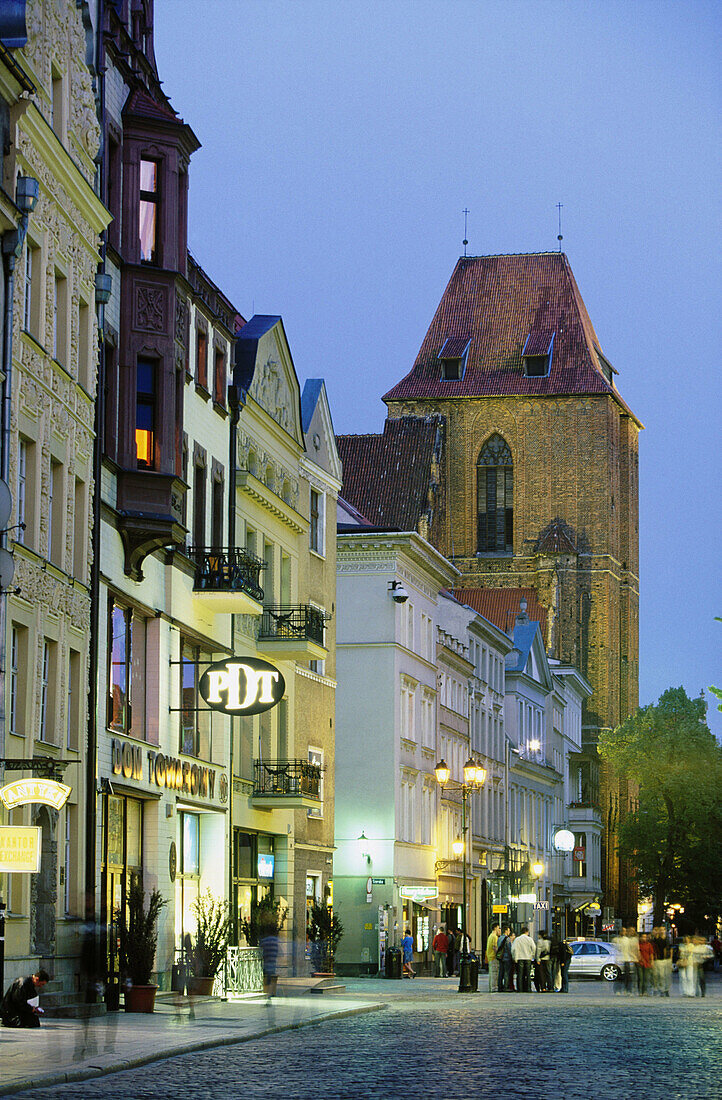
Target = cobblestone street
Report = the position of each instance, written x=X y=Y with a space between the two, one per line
x=432 y=1041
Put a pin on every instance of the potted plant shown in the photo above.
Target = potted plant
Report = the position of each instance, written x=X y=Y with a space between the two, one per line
x=208 y=950
x=324 y=931
x=268 y=917
x=138 y=933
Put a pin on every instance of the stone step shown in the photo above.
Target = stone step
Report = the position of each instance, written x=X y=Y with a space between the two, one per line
x=74 y=1010
x=328 y=988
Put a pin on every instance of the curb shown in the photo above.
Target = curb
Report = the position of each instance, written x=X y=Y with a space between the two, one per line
x=66 y=1077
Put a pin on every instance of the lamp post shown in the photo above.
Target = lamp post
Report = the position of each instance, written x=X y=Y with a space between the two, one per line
x=474 y=779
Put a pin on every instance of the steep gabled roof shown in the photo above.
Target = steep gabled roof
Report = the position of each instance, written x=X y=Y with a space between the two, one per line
x=387 y=477
x=501 y=302
x=501 y=605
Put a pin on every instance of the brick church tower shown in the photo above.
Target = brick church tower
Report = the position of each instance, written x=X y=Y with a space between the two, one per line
x=540 y=480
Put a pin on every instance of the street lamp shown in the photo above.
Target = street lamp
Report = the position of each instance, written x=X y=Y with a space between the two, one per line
x=474 y=779
x=537 y=869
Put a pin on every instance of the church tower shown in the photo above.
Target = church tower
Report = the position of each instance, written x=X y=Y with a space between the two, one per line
x=540 y=472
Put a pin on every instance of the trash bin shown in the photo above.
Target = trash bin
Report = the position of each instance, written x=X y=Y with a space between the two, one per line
x=393 y=962
x=178 y=978
x=468 y=974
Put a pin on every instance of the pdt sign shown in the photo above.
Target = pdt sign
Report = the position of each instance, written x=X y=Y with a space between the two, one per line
x=242 y=685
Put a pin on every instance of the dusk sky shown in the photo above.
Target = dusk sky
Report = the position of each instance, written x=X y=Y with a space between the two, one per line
x=341 y=142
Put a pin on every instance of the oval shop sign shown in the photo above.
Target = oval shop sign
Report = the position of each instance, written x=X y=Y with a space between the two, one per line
x=242 y=685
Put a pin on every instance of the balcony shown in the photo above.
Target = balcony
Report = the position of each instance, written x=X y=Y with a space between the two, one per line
x=582 y=815
x=287 y=784
x=228 y=580
x=292 y=633
x=150 y=515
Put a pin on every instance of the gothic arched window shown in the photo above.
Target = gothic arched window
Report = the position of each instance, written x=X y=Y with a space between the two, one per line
x=494 y=497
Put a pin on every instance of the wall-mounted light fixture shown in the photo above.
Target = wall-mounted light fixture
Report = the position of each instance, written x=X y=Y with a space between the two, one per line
x=364 y=854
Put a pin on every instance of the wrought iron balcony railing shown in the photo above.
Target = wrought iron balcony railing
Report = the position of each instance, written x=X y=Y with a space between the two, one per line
x=220 y=569
x=284 y=778
x=301 y=622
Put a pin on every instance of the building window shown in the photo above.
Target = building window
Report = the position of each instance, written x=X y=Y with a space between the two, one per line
x=126 y=674
x=199 y=505
x=316 y=515
x=580 y=849
x=80 y=530
x=73 y=701
x=202 y=359
x=69 y=848
x=219 y=378
x=145 y=413
x=60 y=318
x=85 y=333
x=56 y=513
x=18 y=679
x=47 y=692
x=495 y=497
x=217 y=513
x=315 y=757
x=149 y=199
x=195 y=721
x=58 y=103
x=22 y=489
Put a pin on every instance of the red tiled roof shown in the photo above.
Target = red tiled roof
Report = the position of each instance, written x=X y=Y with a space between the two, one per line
x=387 y=477
x=139 y=102
x=501 y=605
x=498 y=301
x=557 y=539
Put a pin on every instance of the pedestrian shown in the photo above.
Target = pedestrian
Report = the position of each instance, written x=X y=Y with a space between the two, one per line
x=635 y=957
x=646 y=962
x=450 y=952
x=687 y=968
x=269 y=954
x=407 y=946
x=555 y=978
x=459 y=939
x=541 y=964
x=565 y=957
x=491 y=959
x=662 y=968
x=440 y=946
x=20 y=1006
x=622 y=944
x=504 y=958
x=523 y=951
x=702 y=953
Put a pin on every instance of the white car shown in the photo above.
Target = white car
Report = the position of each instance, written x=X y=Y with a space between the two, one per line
x=595 y=959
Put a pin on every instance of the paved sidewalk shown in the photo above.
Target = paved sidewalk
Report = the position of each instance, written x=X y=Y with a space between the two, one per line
x=62 y=1050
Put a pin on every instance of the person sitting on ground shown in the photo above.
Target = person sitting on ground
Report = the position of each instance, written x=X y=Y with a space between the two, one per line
x=19 y=1006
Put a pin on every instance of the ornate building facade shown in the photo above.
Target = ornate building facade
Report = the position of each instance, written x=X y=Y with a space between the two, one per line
x=51 y=137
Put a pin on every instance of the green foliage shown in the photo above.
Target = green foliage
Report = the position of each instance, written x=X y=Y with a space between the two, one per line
x=211 y=941
x=268 y=917
x=324 y=925
x=671 y=836
x=138 y=932
x=717 y=691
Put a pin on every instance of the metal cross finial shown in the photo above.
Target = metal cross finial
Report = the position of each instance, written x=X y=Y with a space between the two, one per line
x=466 y=213
x=559 y=237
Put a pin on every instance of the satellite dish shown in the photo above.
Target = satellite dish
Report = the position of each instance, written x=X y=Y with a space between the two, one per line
x=7 y=568
x=6 y=504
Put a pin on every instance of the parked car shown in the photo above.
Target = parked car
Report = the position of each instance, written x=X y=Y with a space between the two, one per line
x=595 y=959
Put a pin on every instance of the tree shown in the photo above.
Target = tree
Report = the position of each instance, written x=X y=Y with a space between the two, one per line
x=268 y=917
x=671 y=837
x=325 y=931
x=715 y=690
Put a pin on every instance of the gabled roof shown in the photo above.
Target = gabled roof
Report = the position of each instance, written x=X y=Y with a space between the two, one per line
x=247 y=345
x=309 y=399
x=501 y=605
x=498 y=302
x=387 y=477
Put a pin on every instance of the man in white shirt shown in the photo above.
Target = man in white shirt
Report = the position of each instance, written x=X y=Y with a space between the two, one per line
x=523 y=951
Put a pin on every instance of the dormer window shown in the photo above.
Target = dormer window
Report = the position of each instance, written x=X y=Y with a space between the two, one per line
x=537 y=354
x=606 y=367
x=453 y=356
x=149 y=198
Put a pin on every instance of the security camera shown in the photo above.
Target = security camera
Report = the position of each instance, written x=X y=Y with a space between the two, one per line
x=397 y=592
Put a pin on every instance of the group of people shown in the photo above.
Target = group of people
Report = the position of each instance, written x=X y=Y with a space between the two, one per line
x=647 y=960
x=517 y=962
x=448 y=947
